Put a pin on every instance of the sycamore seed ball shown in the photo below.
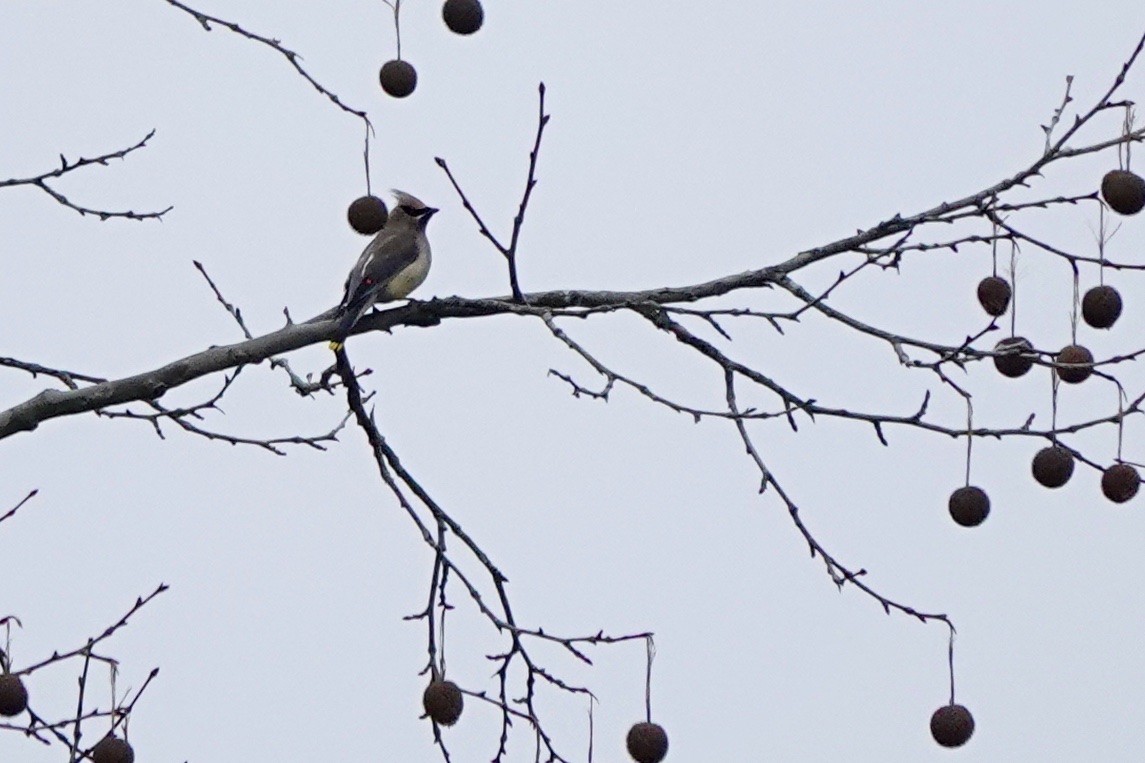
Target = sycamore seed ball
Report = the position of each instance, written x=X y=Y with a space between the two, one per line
x=112 y=749
x=647 y=742
x=1101 y=306
x=1053 y=466
x=1123 y=191
x=951 y=725
x=969 y=506
x=1120 y=482
x=367 y=215
x=1013 y=364
x=463 y=16
x=398 y=78
x=443 y=702
x=994 y=295
x=13 y=695
x=1078 y=364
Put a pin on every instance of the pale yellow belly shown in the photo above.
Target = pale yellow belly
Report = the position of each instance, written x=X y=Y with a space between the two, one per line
x=406 y=281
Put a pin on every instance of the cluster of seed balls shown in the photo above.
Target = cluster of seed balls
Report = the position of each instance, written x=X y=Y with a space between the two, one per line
x=443 y=702
x=399 y=78
x=14 y=700
x=1124 y=192
x=368 y=214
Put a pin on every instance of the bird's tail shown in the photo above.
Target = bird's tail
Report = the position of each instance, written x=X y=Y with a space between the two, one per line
x=348 y=316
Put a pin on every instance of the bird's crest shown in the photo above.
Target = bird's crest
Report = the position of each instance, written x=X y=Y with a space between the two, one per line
x=407 y=200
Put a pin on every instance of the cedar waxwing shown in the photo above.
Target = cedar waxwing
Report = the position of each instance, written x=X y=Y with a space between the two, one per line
x=392 y=265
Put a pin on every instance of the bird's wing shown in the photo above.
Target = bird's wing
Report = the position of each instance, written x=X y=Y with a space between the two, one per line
x=383 y=258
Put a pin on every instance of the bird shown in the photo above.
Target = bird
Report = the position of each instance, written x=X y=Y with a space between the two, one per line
x=392 y=265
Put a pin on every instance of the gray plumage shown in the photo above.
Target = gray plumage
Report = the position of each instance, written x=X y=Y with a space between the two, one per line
x=392 y=265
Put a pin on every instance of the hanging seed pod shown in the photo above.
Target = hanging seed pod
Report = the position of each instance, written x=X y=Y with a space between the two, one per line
x=112 y=749
x=969 y=506
x=1120 y=482
x=1075 y=364
x=951 y=725
x=367 y=215
x=1123 y=191
x=13 y=695
x=647 y=743
x=994 y=295
x=398 y=78
x=463 y=16
x=443 y=701
x=1053 y=466
x=1101 y=306
x=1013 y=364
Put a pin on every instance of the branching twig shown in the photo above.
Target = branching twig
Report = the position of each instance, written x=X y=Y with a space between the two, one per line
x=400 y=482
x=293 y=58
x=41 y=181
x=509 y=252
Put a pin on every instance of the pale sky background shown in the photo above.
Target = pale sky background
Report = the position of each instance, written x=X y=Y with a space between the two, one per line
x=688 y=141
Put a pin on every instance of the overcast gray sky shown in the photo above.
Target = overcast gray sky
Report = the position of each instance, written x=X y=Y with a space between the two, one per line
x=688 y=141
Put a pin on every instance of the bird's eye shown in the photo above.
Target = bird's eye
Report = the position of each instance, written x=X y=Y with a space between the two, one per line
x=414 y=211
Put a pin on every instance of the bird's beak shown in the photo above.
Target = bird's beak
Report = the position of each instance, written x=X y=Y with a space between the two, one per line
x=430 y=212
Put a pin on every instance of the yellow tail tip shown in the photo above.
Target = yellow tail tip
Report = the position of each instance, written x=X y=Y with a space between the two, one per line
x=335 y=346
